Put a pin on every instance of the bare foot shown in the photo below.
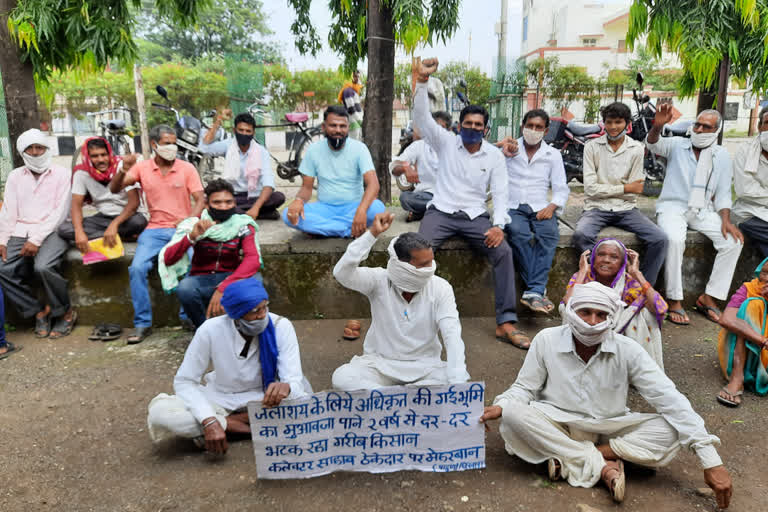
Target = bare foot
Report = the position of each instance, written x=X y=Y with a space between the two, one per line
x=675 y=306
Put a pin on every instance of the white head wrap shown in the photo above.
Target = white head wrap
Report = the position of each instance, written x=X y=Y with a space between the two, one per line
x=596 y=296
x=36 y=164
x=404 y=275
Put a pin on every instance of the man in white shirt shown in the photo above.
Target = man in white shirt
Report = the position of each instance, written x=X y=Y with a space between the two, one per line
x=613 y=179
x=468 y=166
x=568 y=406
x=409 y=305
x=255 y=357
x=533 y=232
x=750 y=182
x=247 y=167
x=419 y=164
x=696 y=194
x=117 y=213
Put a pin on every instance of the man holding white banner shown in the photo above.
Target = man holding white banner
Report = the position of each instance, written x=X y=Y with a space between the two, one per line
x=409 y=305
x=568 y=406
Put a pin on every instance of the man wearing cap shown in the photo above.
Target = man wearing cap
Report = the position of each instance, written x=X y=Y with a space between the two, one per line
x=255 y=358
x=568 y=406
x=35 y=203
x=409 y=305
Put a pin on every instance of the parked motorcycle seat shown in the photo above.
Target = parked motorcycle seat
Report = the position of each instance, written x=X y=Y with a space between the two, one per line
x=296 y=117
x=115 y=124
x=580 y=129
x=677 y=129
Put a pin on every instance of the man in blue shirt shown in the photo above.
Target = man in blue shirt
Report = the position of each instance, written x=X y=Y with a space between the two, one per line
x=347 y=185
x=248 y=167
x=696 y=194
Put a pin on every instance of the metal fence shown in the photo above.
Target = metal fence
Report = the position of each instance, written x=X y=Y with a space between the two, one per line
x=245 y=86
x=506 y=99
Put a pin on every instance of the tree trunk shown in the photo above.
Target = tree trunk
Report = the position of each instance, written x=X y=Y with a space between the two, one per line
x=377 y=120
x=18 y=84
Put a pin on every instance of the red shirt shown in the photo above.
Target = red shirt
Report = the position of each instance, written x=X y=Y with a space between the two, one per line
x=211 y=257
x=168 y=197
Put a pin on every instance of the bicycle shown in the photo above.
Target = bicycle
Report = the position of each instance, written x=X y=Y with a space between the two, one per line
x=113 y=130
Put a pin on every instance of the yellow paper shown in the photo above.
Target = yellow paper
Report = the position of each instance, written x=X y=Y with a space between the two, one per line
x=98 y=251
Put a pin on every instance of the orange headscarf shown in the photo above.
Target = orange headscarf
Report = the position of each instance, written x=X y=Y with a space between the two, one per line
x=348 y=84
x=755 y=287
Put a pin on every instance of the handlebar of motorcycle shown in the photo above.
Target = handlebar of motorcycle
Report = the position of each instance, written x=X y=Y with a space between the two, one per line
x=161 y=106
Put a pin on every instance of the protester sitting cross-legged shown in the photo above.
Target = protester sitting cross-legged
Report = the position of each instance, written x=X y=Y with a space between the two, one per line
x=468 y=167
x=218 y=238
x=168 y=183
x=743 y=344
x=533 y=232
x=613 y=180
x=35 y=202
x=117 y=213
x=613 y=265
x=419 y=164
x=255 y=358
x=409 y=306
x=568 y=406
x=342 y=166
x=247 y=167
x=697 y=194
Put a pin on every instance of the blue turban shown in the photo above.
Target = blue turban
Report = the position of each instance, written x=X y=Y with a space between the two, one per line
x=241 y=297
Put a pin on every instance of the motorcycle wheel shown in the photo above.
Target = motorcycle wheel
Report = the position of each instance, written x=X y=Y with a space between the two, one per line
x=314 y=135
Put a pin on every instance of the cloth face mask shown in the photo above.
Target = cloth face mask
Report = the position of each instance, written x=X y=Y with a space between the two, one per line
x=589 y=335
x=337 y=142
x=221 y=215
x=703 y=140
x=167 y=152
x=37 y=164
x=470 y=136
x=764 y=140
x=408 y=278
x=243 y=139
x=532 y=137
x=617 y=137
x=253 y=327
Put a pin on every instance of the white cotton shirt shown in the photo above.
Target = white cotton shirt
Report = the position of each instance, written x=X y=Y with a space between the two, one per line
x=751 y=187
x=234 y=381
x=463 y=178
x=607 y=171
x=530 y=182
x=426 y=161
x=403 y=337
x=557 y=382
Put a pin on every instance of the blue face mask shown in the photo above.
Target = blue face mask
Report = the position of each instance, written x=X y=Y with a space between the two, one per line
x=470 y=136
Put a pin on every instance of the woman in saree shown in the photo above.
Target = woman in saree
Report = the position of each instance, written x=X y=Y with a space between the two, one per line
x=611 y=264
x=743 y=345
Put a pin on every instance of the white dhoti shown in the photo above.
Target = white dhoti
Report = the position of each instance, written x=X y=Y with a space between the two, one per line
x=371 y=371
x=643 y=439
x=169 y=416
x=675 y=224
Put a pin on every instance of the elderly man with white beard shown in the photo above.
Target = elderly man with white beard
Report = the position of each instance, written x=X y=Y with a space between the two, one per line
x=568 y=406
x=409 y=305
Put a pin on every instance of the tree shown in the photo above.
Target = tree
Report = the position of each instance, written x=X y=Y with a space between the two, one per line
x=561 y=84
x=227 y=26
x=40 y=36
x=370 y=28
x=711 y=39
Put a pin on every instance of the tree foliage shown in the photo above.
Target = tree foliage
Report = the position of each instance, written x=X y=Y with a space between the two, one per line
x=656 y=73
x=87 y=36
x=227 y=26
x=478 y=83
x=562 y=85
x=700 y=33
x=415 y=22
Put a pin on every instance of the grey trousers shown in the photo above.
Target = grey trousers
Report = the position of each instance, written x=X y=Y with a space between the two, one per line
x=757 y=232
x=95 y=226
x=437 y=227
x=655 y=240
x=17 y=273
x=415 y=202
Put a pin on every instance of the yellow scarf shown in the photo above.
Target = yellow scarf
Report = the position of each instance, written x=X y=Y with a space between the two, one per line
x=356 y=87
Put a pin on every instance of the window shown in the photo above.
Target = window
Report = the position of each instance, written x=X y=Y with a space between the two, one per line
x=622 y=45
x=525 y=28
x=589 y=41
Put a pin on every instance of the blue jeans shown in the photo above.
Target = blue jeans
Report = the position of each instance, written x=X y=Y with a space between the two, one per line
x=195 y=293
x=150 y=243
x=533 y=243
x=415 y=202
x=332 y=219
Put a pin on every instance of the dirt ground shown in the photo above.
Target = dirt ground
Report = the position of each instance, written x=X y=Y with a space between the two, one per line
x=73 y=423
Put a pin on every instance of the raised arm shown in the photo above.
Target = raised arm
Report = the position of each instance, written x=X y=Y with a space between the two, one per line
x=123 y=178
x=654 y=141
x=431 y=132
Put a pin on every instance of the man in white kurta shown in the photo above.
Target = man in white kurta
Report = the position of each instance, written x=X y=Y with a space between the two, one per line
x=569 y=403
x=232 y=346
x=409 y=305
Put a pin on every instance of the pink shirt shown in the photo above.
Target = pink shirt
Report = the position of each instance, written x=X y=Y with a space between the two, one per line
x=168 y=197
x=34 y=207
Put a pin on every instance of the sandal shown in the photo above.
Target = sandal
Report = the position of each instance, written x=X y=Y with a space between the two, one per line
x=618 y=486
x=680 y=312
x=10 y=349
x=535 y=303
x=43 y=326
x=139 y=335
x=351 y=330
x=106 y=332
x=516 y=338
x=63 y=327
x=554 y=470
x=705 y=310
x=729 y=403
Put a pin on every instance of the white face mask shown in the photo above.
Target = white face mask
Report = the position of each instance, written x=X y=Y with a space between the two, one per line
x=37 y=164
x=253 y=327
x=167 y=152
x=532 y=137
x=703 y=140
x=617 y=137
x=589 y=335
x=408 y=278
x=764 y=140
